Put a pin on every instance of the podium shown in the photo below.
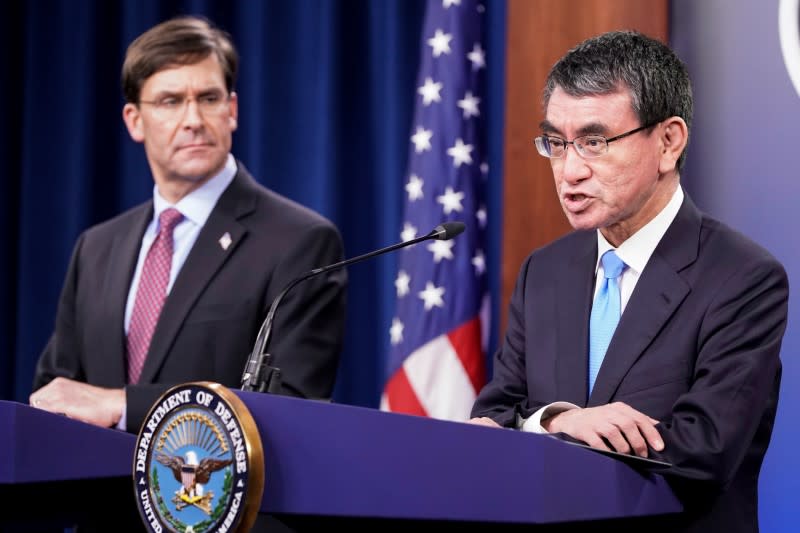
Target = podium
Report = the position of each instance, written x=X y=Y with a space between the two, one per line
x=56 y=472
x=327 y=463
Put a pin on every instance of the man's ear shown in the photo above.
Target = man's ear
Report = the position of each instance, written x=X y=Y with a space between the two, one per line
x=674 y=137
x=133 y=121
x=233 y=109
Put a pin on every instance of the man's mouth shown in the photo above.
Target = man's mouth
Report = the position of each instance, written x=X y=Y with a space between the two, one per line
x=194 y=145
x=576 y=202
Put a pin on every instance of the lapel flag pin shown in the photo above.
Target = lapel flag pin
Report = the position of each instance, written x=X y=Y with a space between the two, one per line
x=225 y=241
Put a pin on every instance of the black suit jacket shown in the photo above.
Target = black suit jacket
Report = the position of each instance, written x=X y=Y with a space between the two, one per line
x=218 y=301
x=697 y=348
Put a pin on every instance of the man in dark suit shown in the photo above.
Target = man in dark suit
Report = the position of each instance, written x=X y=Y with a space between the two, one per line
x=175 y=290
x=653 y=329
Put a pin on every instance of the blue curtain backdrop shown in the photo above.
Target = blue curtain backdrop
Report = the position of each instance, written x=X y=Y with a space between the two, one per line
x=326 y=94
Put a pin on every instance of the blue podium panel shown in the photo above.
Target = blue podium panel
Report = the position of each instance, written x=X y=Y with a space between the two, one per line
x=337 y=460
x=56 y=473
x=327 y=460
x=38 y=446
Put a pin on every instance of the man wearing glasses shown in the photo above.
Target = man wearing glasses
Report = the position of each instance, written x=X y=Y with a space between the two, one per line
x=652 y=329
x=175 y=290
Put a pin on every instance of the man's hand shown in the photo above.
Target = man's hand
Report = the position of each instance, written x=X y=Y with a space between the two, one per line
x=81 y=401
x=623 y=427
x=483 y=421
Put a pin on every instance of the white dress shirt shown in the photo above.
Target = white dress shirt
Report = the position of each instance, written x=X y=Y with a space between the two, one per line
x=195 y=207
x=635 y=252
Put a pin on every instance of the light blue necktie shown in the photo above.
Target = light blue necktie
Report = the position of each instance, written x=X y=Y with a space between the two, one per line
x=606 y=311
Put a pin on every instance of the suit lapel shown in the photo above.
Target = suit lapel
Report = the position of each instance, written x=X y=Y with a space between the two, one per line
x=658 y=294
x=574 y=288
x=122 y=262
x=203 y=262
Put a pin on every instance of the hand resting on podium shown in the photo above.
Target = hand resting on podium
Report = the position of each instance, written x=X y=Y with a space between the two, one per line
x=94 y=405
x=614 y=427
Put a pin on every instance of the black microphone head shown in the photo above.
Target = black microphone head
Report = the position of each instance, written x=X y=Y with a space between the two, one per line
x=447 y=230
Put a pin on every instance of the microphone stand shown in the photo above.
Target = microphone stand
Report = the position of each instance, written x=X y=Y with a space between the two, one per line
x=259 y=374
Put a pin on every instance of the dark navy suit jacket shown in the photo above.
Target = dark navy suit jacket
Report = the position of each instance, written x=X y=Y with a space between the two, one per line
x=218 y=301
x=697 y=348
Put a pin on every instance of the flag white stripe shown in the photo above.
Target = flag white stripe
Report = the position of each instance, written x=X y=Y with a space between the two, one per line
x=447 y=399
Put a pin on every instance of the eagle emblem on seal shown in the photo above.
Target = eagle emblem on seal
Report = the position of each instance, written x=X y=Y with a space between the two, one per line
x=192 y=475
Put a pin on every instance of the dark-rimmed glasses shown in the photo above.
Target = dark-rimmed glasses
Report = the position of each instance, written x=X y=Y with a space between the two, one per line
x=175 y=105
x=587 y=146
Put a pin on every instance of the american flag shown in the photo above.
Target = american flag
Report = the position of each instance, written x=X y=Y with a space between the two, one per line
x=439 y=332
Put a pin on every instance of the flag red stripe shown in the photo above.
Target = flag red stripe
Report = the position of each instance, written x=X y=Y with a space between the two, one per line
x=401 y=396
x=466 y=340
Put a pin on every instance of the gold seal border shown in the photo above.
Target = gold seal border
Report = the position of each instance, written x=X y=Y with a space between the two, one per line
x=255 y=454
x=252 y=443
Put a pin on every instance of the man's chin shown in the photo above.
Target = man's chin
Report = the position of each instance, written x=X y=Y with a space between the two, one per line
x=197 y=170
x=191 y=178
x=582 y=221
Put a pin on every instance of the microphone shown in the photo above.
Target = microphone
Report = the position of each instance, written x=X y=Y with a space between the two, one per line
x=259 y=375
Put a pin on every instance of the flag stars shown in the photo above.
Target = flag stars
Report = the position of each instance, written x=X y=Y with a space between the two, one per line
x=477 y=57
x=402 y=283
x=485 y=168
x=409 y=232
x=451 y=201
x=430 y=91
x=422 y=139
x=460 y=153
x=445 y=180
x=396 y=332
x=480 y=214
x=469 y=105
x=479 y=262
x=414 y=188
x=440 y=42
x=441 y=250
x=432 y=296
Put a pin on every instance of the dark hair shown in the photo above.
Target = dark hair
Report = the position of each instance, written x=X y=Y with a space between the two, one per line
x=656 y=78
x=183 y=40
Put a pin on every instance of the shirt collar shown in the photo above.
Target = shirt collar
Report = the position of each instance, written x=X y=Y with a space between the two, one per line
x=637 y=249
x=198 y=204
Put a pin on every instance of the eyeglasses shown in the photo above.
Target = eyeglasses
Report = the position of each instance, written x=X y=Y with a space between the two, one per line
x=174 y=106
x=587 y=146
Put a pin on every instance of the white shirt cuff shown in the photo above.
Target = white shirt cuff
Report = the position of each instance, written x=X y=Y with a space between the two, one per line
x=533 y=423
x=122 y=424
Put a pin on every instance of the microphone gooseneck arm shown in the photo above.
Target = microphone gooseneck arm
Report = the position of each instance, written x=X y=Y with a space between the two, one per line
x=258 y=373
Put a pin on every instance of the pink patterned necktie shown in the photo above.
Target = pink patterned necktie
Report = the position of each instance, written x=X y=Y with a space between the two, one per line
x=151 y=293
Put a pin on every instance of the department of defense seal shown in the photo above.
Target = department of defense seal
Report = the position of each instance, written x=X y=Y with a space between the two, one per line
x=198 y=465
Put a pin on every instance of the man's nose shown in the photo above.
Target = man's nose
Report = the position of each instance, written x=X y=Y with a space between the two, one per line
x=192 y=117
x=574 y=168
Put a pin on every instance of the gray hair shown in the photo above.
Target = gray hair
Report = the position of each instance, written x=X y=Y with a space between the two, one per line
x=656 y=78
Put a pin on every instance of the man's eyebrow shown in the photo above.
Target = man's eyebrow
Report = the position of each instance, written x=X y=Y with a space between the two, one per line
x=596 y=128
x=165 y=93
x=547 y=127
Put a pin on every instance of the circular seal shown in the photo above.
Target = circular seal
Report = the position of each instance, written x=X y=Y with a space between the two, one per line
x=198 y=465
x=789 y=31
